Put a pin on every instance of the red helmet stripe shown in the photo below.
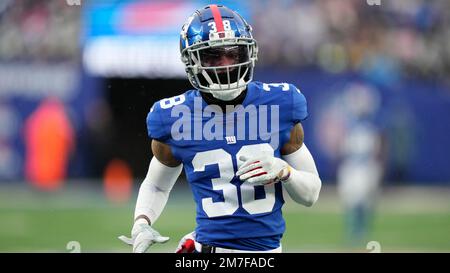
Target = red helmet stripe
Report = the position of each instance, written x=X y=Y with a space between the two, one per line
x=217 y=18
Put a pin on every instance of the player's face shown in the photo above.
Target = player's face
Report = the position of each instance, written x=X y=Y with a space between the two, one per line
x=219 y=59
x=223 y=56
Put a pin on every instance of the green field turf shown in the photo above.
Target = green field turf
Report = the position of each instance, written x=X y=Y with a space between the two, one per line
x=36 y=222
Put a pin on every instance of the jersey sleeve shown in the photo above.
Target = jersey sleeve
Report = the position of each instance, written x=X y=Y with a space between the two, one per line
x=156 y=128
x=299 y=105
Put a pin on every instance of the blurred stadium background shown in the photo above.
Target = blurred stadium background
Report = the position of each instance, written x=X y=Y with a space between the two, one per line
x=77 y=79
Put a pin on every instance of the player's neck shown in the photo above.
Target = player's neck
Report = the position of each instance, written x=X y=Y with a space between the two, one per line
x=211 y=100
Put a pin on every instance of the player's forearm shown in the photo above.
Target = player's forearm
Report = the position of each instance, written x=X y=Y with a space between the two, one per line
x=155 y=189
x=304 y=183
x=303 y=187
x=150 y=202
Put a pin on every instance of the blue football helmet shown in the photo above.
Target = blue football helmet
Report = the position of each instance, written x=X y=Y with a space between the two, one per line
x=219 y=52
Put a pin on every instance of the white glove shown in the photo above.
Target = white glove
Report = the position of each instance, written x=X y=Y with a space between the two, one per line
x=186 y=244
x=143 y=236
x=263 y=170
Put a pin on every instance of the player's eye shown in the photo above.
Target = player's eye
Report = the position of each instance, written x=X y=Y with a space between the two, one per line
x=219 y=56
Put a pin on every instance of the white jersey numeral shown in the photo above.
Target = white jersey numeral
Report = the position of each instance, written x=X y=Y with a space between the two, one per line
x=249 y=203
x=266 y=86
x=225 y=164
x=230 y=191
x=170 y=102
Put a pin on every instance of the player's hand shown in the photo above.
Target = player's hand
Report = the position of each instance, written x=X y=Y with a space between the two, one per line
x=263 y=170
x=143 y=236
x=186 y=244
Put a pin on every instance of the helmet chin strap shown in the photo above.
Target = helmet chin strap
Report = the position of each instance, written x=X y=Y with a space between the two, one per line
x=227 y=94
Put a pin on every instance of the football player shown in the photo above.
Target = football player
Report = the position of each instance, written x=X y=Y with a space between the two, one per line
x=236 y=176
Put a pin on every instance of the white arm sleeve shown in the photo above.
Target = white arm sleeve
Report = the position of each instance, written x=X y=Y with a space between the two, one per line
x=303 y=184
x=155 y=189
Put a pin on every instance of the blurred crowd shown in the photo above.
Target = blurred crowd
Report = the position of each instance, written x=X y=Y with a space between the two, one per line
x=408 y=36
x=39 y=30
x=398 y=38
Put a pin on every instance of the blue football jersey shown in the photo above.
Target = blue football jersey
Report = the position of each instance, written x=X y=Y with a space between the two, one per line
x=209 y=143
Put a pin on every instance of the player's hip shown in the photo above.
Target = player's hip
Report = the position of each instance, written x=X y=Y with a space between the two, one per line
x=206 y=248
